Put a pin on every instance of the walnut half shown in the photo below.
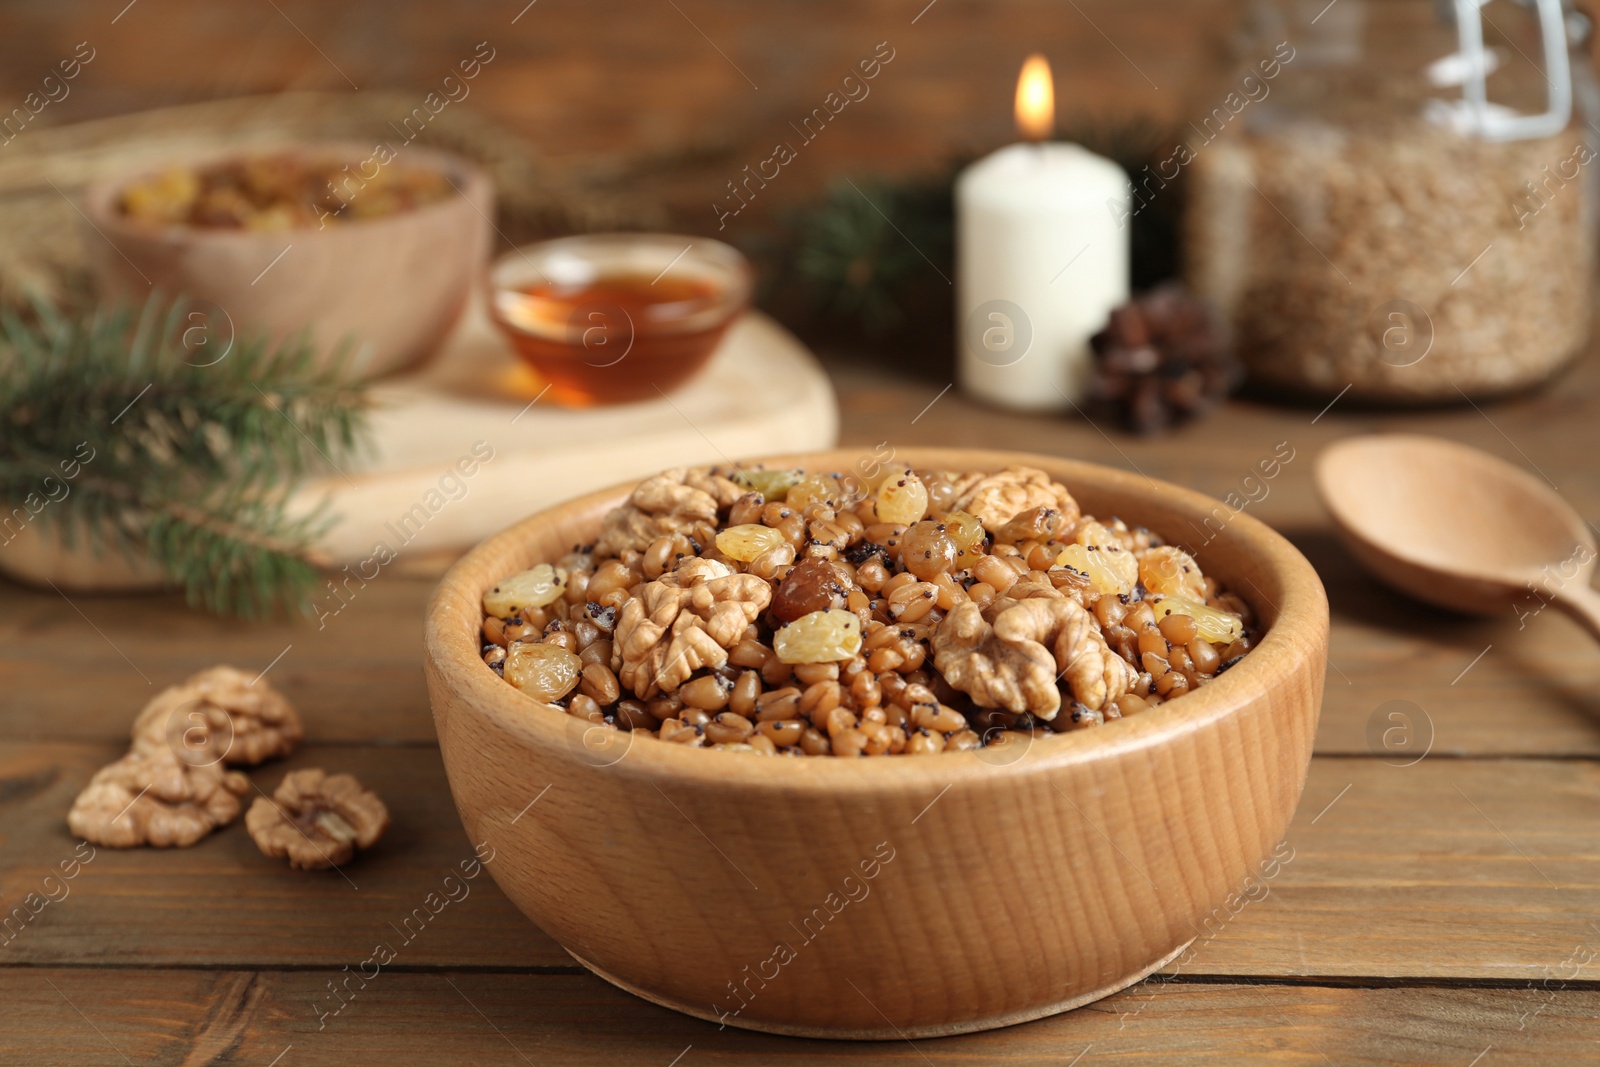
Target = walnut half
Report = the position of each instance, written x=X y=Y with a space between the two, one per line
x=1095 y=674
x=316 y=819
x=1017 y=675
x=678 y=501
x=151 y=796
x=1014 y=664
x=998 y=498
x=221 y=714
x=684 y=621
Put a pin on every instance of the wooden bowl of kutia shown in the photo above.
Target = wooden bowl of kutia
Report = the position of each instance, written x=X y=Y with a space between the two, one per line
x=892 y=897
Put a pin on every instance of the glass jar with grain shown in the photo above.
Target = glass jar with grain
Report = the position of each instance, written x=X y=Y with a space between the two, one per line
x=1398 y=199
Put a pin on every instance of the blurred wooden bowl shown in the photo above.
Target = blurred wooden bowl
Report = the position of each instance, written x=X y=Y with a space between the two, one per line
x=893 y=897
x=393 y=287
x=40 y=555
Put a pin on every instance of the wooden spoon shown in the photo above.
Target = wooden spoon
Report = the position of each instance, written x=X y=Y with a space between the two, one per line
x=1457 y=527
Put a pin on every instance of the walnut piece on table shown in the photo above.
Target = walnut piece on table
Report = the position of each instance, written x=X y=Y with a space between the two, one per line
x=678 y=501
x=316 y=819
x=682 y=622
x=151 y=796
x=997 y=498
x=221 y=713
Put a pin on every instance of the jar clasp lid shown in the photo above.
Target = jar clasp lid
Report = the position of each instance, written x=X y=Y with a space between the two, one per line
x=1475 y=113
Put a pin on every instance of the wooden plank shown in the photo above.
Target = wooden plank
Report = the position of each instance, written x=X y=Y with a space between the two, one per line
x=224 y=903
x=80 y=670
x=1438 y=870
x=78 y=1017
x=1446 y=868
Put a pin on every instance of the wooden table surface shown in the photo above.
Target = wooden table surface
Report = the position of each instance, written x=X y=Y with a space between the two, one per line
x=1440 y=906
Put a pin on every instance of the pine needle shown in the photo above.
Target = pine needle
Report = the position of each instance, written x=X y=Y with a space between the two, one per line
x=118 y=433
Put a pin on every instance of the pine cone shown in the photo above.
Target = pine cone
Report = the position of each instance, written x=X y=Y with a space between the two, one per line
x=1162 y=359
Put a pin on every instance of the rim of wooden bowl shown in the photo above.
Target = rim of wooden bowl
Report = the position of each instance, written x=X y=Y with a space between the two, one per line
x=1294 y=642
x=471 y=182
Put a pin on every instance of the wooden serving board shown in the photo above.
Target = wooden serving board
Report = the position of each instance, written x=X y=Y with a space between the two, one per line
x=761 y=392
x=407 y=501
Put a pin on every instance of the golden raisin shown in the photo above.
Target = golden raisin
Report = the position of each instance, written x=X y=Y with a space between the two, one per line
x=815 y=489
x=927 y=549
x=772 y=485
x=544 y=671
x=532 y=588
x=1096 y=562
x=819 y=637
x=745 y=543
x=902 y=499
x=1171 y=571
x=1217 y=627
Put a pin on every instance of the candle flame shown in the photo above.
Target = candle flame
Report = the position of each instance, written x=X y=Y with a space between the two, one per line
x=1036 y=99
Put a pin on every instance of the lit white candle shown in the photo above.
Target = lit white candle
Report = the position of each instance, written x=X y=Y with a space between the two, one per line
x=1041 y=260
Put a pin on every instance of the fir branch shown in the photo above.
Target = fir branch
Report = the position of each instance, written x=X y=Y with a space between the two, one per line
x=868 y=251
x=182 y=458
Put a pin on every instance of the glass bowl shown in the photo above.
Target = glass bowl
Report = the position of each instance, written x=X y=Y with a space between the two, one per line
x=609 y=318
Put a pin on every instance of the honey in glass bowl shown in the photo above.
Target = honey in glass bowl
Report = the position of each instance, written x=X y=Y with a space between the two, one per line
x=609 y=318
